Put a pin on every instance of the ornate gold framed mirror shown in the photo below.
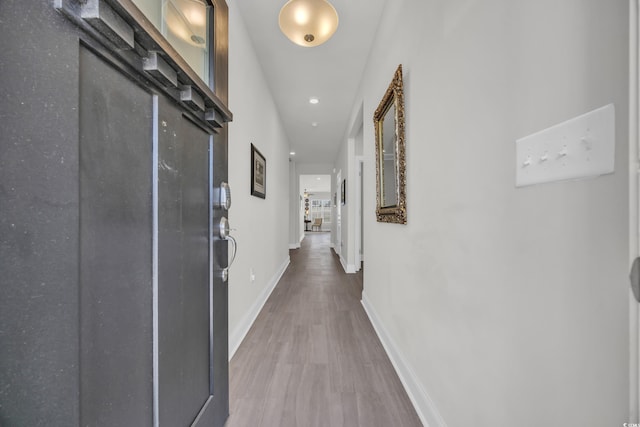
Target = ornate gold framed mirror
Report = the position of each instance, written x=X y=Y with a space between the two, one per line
x=391 y=178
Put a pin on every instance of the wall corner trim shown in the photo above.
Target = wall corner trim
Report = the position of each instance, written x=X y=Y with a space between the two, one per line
x=348 y=268
x=425 y=407
x=238 y=334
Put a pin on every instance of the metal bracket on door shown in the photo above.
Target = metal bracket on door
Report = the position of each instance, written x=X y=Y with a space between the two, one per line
x=635 y=278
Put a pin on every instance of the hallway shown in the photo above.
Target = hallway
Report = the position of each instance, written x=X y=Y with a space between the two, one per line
x=312 y=357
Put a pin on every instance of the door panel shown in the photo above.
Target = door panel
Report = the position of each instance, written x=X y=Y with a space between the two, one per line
x=183 y=268
x=115 y=243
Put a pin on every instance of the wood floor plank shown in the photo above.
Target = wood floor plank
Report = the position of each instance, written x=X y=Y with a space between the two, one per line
x=343 y=411
x=312 y=358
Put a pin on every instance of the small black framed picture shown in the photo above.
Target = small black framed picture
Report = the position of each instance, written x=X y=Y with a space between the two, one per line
x=343 y=192
x=258 y=173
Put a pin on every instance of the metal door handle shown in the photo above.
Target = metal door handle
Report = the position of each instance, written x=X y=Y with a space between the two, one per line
x=234 y=244
x=223 y=232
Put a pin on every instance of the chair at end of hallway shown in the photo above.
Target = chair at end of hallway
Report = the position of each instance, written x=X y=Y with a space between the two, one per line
x=317 y=222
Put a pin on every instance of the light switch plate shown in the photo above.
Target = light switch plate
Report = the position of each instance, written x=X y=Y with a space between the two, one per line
x=578 y=148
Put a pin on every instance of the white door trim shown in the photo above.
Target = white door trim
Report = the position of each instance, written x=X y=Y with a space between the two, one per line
x=634 y=207
x=338 y=242
x=359 y=166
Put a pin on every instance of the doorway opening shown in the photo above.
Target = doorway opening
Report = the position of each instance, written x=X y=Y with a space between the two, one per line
x=316 y=203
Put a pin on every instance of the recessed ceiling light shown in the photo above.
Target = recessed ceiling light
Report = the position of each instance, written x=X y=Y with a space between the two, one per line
x=318 y=178
x=313 y=100
x=292 y=153
x=314 y=124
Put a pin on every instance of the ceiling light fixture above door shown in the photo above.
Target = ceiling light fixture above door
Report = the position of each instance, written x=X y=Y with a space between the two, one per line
x=308 y=23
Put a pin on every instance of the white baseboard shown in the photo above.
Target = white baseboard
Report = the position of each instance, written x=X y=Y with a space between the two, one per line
x=294 y=245
x=348 y=268
x=240 y=331
x=425 y=407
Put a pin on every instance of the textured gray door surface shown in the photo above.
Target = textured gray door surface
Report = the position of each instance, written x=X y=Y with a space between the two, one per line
x=115 y=246
x=184 y=316
x=112 y=310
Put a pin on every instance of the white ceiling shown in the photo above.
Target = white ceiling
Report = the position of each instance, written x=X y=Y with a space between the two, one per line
x=331 y=72
x=315 y=183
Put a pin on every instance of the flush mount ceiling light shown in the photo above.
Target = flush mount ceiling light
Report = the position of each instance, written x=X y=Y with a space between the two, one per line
x=308 y=23
x=313 y=100
x=187 y=19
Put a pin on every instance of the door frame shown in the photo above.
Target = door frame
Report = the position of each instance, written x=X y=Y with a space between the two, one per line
x=338 y=243
x=359 y=232
x=634 y=205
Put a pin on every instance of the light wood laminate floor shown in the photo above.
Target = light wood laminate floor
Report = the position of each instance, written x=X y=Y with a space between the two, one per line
x=312 y=357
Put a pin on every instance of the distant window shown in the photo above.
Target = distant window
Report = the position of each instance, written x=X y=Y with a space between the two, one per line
x=321 y=209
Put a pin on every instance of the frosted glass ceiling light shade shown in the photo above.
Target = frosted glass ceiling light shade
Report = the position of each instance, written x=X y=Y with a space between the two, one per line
x=187 y=19
x=308 y=23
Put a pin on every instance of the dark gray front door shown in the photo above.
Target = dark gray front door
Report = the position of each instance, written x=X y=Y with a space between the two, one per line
x=113 y=311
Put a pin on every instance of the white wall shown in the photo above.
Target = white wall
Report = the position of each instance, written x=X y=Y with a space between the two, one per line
x=260 y=224
x=359 y=147
x=501 y=306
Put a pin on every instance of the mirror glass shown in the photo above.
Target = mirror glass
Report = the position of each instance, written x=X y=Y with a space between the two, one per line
x=388 y=163
x=391 y=178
